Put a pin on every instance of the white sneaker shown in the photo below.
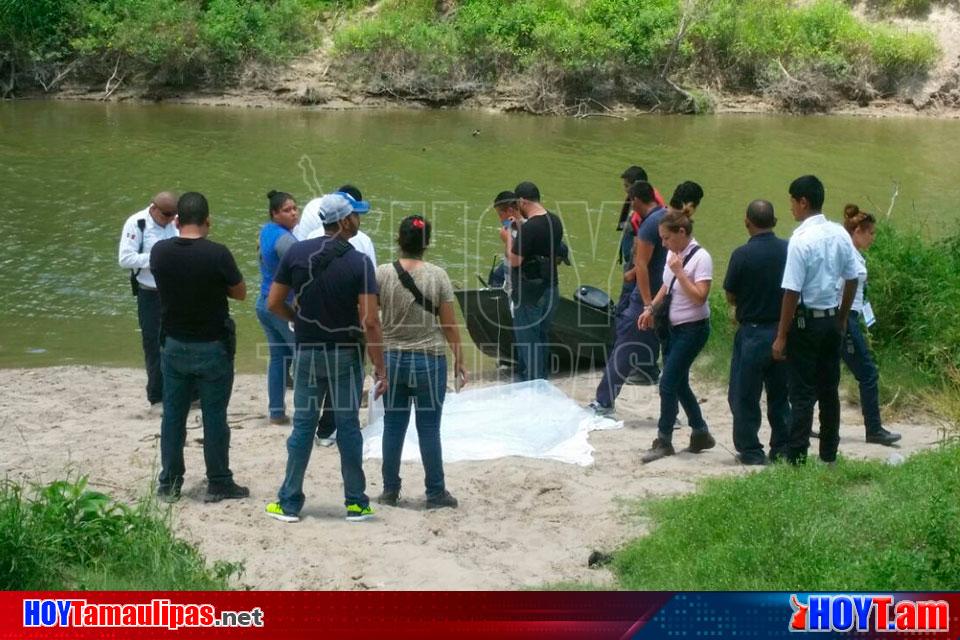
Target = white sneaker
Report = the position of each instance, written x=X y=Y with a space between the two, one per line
x=327 y=442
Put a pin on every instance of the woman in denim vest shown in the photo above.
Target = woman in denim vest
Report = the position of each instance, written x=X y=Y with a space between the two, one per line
x=417 y=328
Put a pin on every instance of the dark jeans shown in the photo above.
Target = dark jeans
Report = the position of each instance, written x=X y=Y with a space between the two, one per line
x=813 y=359
x=148 y=315
x=281 y=345
x=188 y=368
x=422 y=379
x=626 y=289
x=319 y=371
x=751 y=370
x=856 y=354
x=634 y=350
x=679 y=351
x=531 y=331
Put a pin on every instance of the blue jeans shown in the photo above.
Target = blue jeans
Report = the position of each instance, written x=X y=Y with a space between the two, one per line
x=634 y=350
x=856 y=354
x=320 y=370
x=421 y=378
x=281 y=344
x=148 y=315
x=188 y=368
x=751 y=370
x=679 y=351
x=531 y=334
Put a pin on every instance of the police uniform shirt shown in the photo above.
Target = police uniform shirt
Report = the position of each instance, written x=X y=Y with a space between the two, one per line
x=132 y=256
x=754 y=276
x=820 y=257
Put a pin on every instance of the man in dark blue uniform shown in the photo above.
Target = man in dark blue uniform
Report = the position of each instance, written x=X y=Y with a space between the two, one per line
x=752 y=285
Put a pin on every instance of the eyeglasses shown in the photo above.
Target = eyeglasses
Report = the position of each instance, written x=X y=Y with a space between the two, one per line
x=165 y=214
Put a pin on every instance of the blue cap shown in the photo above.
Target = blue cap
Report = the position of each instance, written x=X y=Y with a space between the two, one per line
x=358 y=206
x=334 y=207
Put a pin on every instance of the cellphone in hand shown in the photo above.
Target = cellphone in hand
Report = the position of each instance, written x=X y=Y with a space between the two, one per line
x=458 y=381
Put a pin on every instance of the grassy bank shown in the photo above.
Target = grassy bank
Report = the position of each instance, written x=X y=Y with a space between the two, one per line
x=544 y=56
x=64 y=536
x=914 y=288
x=859 y=526
x=559 y=54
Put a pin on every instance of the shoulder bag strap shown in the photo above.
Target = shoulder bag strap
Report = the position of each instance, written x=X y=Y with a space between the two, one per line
x=685 y=261
x=142 y=225
x=407 y=281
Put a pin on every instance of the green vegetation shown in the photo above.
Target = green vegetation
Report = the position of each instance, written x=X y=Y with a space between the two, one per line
x=64 y=536
x=554 y=55
x=598 y=49
x=155 y=42
x=914 y=287
x=788 y=528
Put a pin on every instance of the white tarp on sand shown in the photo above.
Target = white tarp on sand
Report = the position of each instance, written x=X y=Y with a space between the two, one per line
x=530 y=419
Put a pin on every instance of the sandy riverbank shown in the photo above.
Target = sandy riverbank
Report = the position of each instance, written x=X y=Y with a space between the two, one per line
x=522 y=522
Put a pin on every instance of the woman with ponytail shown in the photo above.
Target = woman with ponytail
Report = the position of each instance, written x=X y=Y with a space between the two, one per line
x=416 y=301
x=275 y=238
x=856 y=352
x=686 y=316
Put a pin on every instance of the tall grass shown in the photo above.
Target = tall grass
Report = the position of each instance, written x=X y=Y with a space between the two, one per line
x=914 y=288
x=858 y=526
x=64 y=536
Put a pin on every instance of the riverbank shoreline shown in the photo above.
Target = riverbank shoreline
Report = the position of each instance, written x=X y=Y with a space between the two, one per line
x=522 y=522
x=283 y=100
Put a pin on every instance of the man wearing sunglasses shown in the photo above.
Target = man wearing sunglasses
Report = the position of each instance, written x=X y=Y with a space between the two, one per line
x=140 y=232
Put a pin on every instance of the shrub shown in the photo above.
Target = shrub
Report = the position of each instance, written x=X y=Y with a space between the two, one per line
x=64 y=536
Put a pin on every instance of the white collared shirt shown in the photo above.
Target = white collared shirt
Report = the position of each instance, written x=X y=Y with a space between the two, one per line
x=820 y=257
x=361 y=242
x=861 y=285
x=132 y=254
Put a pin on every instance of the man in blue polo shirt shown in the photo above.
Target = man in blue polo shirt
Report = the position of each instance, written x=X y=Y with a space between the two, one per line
x=813 y=318
x=335 y=289
x=752 y=285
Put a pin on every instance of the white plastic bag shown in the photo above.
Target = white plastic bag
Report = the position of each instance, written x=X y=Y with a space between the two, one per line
x=374 y=407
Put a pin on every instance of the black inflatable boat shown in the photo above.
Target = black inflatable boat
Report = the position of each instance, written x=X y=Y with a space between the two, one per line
x=582 y=333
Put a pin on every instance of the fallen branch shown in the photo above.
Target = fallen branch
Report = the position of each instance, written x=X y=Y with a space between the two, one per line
x=47 y=86
x=786 y=73
x=893 y=198
x=107 y=90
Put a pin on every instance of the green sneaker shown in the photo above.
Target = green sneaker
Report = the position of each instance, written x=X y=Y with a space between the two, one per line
x=274 y=510
x=356 y=513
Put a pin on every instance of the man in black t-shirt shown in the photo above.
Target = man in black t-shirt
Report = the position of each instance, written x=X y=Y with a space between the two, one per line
x=195 y=277
x=536 y=293
x=752 y=285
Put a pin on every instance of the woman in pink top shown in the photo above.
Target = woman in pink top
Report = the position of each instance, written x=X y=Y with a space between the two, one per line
x=686 y=286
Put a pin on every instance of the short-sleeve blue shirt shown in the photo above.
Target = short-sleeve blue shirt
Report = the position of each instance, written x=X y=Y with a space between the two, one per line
x=326 y=304
x=650 y=232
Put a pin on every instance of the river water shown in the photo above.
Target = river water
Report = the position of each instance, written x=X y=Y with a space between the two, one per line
x=71 y=173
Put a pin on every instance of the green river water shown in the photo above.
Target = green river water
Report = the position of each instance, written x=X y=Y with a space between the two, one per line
x=70 y=174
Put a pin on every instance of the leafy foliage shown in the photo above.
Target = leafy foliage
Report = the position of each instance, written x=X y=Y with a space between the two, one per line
x=66 y=536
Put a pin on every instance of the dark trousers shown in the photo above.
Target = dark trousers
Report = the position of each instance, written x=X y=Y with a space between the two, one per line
x=685 y=343
x=856 y=354
x=148 y=315
x=813 y=362
x=326 y=425
x=531 y=331
x=752 y=370
x=188 y=368
x=633 y=350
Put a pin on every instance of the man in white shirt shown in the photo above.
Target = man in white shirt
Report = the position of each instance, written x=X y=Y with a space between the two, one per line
x=140 y=232
x=311 y=221
x=813 y=318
